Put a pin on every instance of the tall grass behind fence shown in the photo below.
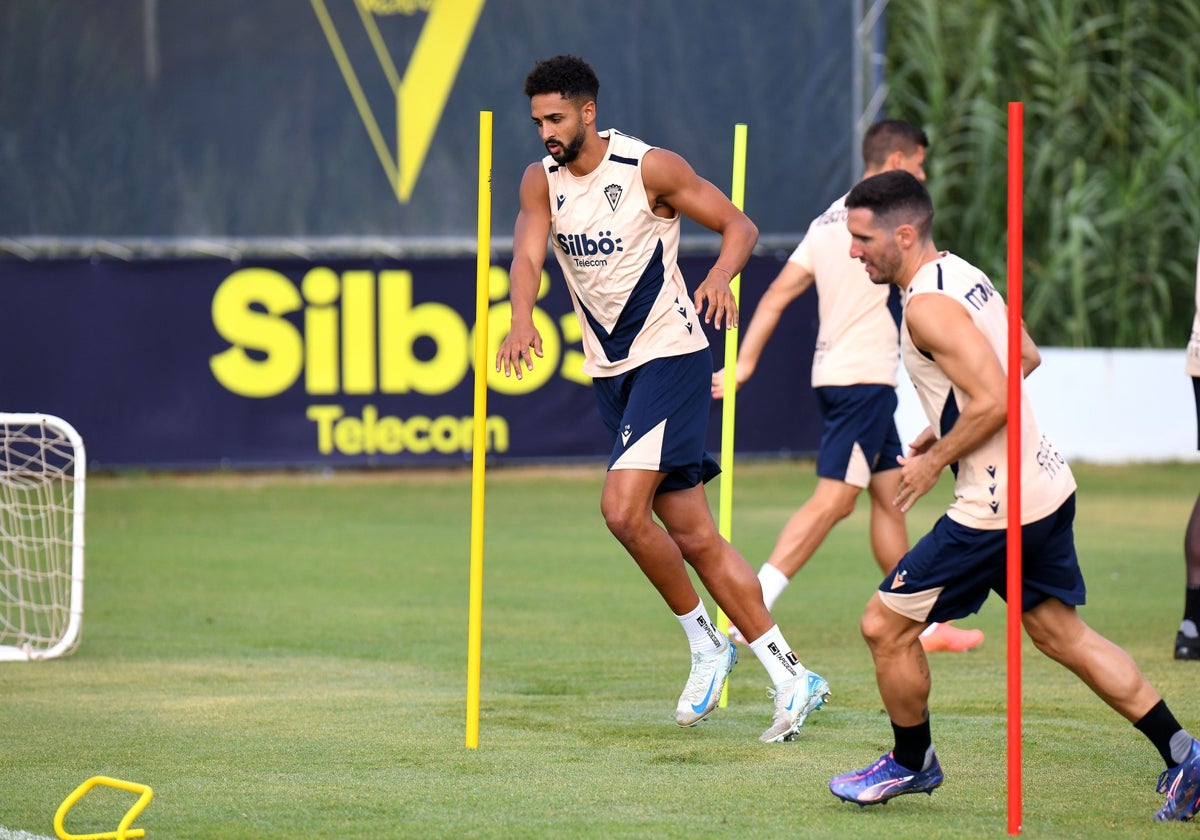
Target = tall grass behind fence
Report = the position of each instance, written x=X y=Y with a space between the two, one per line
x=1112 y=152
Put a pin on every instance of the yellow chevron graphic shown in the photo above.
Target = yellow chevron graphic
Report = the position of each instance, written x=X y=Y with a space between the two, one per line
x=422 y=92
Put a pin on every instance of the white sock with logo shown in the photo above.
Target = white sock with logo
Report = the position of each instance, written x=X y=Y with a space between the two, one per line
x=776 y=656
x=773 y=583
x=701 y=630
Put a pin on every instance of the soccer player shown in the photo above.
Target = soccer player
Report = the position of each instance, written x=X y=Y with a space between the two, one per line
x=611 y=206
x=954 y=344
x=854 y=377
x=1187 y=640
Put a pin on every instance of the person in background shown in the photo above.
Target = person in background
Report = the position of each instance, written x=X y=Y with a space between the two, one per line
x=854 y=377
x=1187 y=639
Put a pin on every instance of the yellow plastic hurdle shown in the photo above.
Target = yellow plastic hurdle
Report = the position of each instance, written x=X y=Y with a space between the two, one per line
x=123 y=832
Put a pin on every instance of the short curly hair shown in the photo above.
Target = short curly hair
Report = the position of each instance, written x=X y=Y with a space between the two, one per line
x=568 y=75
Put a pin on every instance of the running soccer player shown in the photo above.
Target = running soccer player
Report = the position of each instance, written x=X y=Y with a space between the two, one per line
x=854 y=377
x=954 y=338
x=611 y=205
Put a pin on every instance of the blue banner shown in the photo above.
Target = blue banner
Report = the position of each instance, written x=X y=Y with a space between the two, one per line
x=207 y=363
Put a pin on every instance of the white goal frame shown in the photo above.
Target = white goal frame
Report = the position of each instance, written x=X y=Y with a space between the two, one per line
x=43 y=470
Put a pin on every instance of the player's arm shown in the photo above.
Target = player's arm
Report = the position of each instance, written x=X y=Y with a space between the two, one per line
x=792 y=281
x=671 y=182
x=525 y=274
x=941 y=327
x=1031 y=357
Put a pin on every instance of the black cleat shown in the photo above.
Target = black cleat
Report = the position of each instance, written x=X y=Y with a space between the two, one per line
x=1187 y=647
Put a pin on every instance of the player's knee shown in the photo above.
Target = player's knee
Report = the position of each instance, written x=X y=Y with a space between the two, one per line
x=621 y=519
x=1055 y=636
x=874 y=625
x=695 y=546
x=836 y=506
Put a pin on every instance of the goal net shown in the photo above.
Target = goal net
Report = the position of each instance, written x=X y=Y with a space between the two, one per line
x=42 y=470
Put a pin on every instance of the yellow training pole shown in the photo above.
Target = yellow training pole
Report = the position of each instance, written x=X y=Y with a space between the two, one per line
x=479 y=440
x=725 y=512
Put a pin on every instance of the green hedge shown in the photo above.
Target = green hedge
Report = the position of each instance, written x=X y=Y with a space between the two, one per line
x=1111 y=94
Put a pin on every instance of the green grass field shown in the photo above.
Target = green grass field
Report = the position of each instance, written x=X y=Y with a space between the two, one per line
x=285 y=657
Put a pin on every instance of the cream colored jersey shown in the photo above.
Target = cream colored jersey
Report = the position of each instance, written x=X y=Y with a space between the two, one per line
x=981 y=487
x=857 y=340
x=619 y=260
x=1193 y=348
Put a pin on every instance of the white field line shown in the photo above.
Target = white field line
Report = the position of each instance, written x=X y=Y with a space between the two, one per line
x=14 y=834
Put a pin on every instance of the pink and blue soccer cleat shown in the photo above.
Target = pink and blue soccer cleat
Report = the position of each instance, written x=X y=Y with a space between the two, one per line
x=884 y=780
x=1181 y=784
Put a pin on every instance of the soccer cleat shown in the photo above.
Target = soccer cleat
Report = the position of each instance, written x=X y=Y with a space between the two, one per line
x=1181 y=784
x=795 y=700
x=945 y=637
x=1187 y=647
x=703 y=690
x=884 y=780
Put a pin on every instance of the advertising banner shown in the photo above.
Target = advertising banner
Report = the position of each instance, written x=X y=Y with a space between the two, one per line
x=207 y=363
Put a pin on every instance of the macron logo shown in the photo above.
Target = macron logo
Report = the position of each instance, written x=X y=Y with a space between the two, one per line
x=626 y=433
x=562 y=199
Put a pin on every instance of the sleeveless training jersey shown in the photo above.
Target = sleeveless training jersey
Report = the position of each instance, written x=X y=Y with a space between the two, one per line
x=981 y=487
x=1193 y=348
x=857 y=340
x=619 y=260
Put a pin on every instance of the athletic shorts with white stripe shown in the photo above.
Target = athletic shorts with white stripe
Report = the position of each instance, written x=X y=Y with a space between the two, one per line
x=860 y=436
x=949 y=573
x=657 y=415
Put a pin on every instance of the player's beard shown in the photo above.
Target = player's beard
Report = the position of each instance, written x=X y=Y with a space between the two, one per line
x=571 y=150
x=885 y=267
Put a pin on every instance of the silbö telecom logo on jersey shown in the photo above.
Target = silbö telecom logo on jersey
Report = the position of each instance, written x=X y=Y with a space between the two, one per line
x=587 y=252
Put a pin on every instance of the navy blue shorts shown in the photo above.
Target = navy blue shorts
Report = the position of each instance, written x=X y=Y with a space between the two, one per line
x=860 y=436
x=950 y=571
x=657 y=415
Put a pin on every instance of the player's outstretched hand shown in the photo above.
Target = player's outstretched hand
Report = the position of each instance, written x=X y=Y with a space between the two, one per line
x=742 y=373
x=520 y=345
x=714 y=301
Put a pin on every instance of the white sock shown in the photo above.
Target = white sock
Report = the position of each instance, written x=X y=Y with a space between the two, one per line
x=776 y=656
x=773 y=583
x=701 y=631
x=933 y=626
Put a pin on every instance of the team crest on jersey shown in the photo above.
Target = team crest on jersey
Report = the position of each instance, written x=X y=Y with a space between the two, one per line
x=613 y=193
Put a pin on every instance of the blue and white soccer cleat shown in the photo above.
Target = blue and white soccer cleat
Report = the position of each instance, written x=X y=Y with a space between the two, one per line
x=1181 y=784
x=795 y=700
x=705 y=682
x=884 y=780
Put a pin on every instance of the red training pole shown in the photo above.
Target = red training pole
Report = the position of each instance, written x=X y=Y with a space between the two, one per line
x=1016 y=119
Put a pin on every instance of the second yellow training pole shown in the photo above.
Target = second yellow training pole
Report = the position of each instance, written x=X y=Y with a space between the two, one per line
x=479 y=439
x=729 y=403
